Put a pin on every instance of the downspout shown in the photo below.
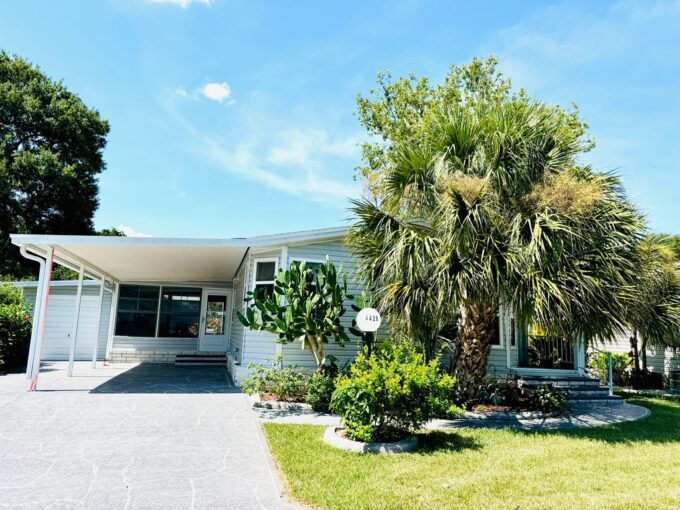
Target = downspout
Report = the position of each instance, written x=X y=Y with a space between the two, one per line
x=36 y=308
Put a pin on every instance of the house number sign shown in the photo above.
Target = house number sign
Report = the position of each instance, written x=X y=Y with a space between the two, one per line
x=368 y=320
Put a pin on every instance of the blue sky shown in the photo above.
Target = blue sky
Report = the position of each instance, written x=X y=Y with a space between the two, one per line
x=237 y=118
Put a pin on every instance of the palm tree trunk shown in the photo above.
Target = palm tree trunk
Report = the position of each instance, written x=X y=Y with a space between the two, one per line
x=636 y=352
x=475 y=329
x=643 y=353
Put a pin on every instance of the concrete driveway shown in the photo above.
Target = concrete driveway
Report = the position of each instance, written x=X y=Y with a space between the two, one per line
x=132 y=436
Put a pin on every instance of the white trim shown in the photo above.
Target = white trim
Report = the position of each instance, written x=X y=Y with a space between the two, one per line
x=242 y=242
x=256 y=260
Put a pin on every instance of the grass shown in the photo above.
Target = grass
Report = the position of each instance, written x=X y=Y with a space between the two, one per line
x=630 y=465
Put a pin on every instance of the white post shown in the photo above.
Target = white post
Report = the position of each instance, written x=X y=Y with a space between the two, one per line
x=44 y=298
x=76 y=320
x=99 y=320
x=37 y=308
x=112 y=319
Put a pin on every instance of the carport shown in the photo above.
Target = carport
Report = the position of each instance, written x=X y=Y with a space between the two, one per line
x=112 y=260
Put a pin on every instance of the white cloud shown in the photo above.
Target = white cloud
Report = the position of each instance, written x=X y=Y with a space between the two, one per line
x=216 y=91
x=182 y=3
x=180 y=91
x=131 y=232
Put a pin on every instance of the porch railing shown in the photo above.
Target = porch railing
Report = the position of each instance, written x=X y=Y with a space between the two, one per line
x=550 y=352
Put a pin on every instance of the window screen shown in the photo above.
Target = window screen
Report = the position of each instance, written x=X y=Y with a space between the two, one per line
x=264 y=278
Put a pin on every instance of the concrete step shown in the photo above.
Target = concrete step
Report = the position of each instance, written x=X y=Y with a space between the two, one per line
x=201 y=359
x=595 y=399
x=561 y=382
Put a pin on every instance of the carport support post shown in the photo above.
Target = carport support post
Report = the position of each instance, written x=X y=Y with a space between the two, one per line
x=99 y=319
x=76 y=320
x=41 y=313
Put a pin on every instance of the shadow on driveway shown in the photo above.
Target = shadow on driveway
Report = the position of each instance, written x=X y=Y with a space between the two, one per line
x=167 y=378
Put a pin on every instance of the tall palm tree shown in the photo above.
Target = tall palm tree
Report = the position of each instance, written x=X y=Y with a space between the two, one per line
x=653 y=311
x=486 y=205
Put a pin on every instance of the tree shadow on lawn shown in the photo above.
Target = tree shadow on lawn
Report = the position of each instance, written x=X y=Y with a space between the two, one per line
x=436 y=441
x=662 y=426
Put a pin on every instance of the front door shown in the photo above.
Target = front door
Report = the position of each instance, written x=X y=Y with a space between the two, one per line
x=215 y=320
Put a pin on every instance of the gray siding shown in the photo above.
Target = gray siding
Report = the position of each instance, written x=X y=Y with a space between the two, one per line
x=658 y=360
x=258 y=347
x=60 y=314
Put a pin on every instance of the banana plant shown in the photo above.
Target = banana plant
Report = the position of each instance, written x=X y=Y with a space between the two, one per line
x=306 y=305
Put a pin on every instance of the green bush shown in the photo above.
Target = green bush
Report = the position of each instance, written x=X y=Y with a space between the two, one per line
x=320 y=387
x=288 y=384
x=548 y=399
x=15 y=329
x=598 y=362
x=391 y=394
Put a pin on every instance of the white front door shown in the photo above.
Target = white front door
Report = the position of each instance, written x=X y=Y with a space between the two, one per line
x=215 y=320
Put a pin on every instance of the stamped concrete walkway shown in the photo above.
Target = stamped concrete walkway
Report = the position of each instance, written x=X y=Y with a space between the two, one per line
x=583 y=415
x=130 y=436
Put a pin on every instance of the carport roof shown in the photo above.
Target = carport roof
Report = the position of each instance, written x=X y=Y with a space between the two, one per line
x=156 y=259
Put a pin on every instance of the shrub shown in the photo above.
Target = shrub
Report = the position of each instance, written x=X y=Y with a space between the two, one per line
x=391 y=394
x=548 y=399
x=646 y=380
x=598 y=362
x=15 y=329
x=285 y=383
x=320 y=387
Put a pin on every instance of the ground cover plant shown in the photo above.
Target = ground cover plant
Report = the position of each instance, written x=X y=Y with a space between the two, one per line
x=630 y=465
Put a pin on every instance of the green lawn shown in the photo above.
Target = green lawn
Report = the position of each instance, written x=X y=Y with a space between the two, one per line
x=632 y=465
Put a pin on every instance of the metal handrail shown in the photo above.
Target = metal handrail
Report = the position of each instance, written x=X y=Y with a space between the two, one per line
x=611 y=369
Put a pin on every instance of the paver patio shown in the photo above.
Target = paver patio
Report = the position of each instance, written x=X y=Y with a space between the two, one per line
x=132 y=436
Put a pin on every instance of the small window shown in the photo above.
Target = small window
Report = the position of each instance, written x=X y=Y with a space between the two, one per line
x=180 y=312
x=265 y=271
x=314 y=266
x=137 y=310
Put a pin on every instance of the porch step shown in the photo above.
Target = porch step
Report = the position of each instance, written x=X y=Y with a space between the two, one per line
x=579 y=389
x=201 y=359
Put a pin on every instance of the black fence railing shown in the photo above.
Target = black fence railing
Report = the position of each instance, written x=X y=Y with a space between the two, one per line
x=550 y=352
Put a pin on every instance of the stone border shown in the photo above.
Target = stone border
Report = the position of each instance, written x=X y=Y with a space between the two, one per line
x=505 y=415
x=405 y=445
x=258 y=403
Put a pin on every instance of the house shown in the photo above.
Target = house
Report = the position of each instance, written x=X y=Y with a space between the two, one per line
x=167 y=300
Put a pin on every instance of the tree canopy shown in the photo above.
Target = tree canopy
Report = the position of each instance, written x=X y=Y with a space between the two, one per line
x=477 y=198
x=51 y=153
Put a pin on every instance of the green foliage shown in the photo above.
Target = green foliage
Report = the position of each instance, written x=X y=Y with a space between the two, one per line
x=598 y=362
x=15 y=329
x=391 y=394
x=51 y=153
x=548 y=398
x=652 y=307
x=111 y=232
x=320 y=387
x=306 y=305
x=479 y=198
x=288 y=384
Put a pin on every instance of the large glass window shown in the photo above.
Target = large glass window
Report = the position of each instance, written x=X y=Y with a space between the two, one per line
x=180 y=312
x=137 y=310
x=265 y=270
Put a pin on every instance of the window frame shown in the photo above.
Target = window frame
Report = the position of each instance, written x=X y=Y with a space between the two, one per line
x=156 y=312
x=254 y=282
x=501 y=332
x=155 y=335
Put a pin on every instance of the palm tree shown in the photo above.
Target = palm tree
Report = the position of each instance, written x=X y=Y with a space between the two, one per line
x=486 y=205
x=652 y=311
